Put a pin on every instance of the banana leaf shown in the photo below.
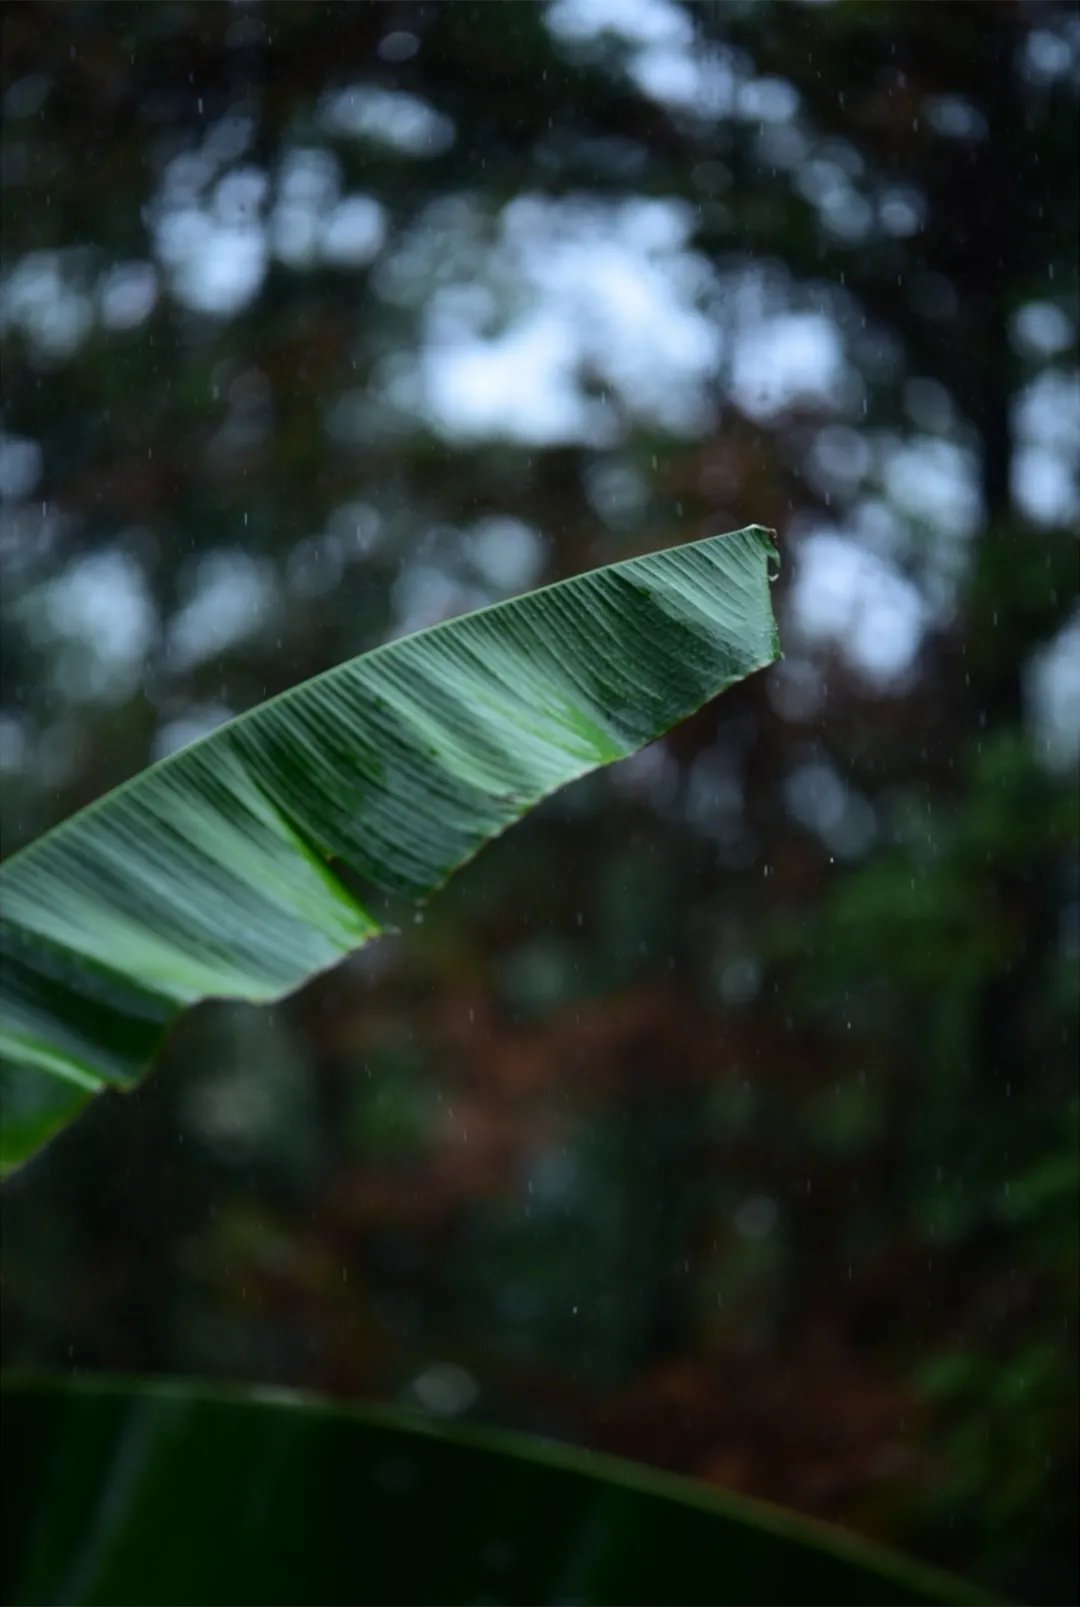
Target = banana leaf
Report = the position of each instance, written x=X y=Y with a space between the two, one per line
x=117 y=1492
x=248 y=862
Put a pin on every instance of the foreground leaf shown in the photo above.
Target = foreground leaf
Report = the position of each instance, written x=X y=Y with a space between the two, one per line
x=153 y=1493
x=208 y=876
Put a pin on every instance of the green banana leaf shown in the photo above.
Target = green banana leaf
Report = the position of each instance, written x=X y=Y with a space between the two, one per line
x=117 y=1492
x=210 y=875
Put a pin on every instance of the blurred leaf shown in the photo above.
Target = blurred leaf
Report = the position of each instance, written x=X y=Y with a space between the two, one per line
x=117 y=1492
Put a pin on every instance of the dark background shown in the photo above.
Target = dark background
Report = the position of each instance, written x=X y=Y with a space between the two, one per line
x=724 y=1114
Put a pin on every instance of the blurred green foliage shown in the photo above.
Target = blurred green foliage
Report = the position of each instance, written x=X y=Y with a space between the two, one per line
x=499 y=1515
